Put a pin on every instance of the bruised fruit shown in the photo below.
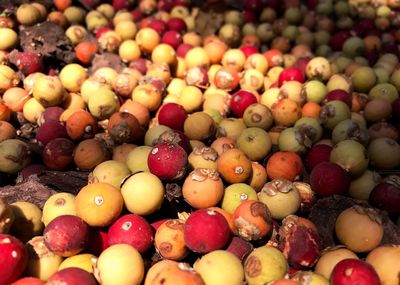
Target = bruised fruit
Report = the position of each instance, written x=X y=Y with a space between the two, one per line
x=219 y=267
x=57 y=154
x=240 y=248
x=72 y=275
x=169 y=240
x=386 y=196
x=42 y=262
x=354 y=271
x=131 y=229
x=121 y=263
x=168 y=161
x=123 y=127
x=13 y=260
x=66 y=235
x=14 y=155
x=252 y=220
x=206 y=230
x=265 y=264
x=58 y=204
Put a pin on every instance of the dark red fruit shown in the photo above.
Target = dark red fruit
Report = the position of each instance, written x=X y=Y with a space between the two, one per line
x=66 y=235
x=337 y=40
x=72 y=276
x=396 y=108
x=206 y=230
x=158 y=25
x=175 y=136
x=168 y=161
x=50 y=130
x=31 y=169
x=338 y=94
x=172 y=115
x=240 y=101
x=354 y=271
x=131 y=229
x=98 y=241
x=291 y=74
x=13 y=258
x=317 y=154
x=172 y=38
x=327 y=179
x=141 y=64
x=177 y=24
x=386 y=196
x=51 y=113
x=253 y=5
x=121 y=4
x=58 y=154
x=182 y=49
x=29 y=62
x=240 y=247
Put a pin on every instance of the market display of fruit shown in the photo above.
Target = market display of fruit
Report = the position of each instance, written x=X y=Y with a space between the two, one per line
x=199 y=142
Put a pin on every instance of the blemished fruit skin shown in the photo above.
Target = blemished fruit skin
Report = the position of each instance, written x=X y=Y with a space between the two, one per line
x=354 y=271
x=13 y=258
x=72 y=275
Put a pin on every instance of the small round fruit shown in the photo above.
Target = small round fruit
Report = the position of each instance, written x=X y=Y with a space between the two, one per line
x=169 y=240
x=13 y=260
x=14 y=155
x=99 y=204
x=284 y=164
x=85 y=261
x=330 y=257
x=359 y=229
x=255 y=143
x=58 y=204
x=354 y=271
x=143 y=193
x=111 y=171
x=384 y=260
x=72 y=275
x=48 y=91
x=234 y=166
x=28 y=220
x=120 y=263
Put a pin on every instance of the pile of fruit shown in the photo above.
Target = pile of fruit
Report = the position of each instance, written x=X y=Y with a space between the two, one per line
x=219 y=142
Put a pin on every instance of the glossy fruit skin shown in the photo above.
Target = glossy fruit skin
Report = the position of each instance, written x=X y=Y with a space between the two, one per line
x=169 y=239
x=72 y=275
x=383 y=259
x=131 y=229
x=13 y=258
x=354 y=271
x=81 y=125
x=328 y=179
x=291 y=73
x=317 y=154
x=28 y=281
x=167 y=161
x=206 y=230
x=172 y=115
x=50 y=130
x=66 y=235
x=240 y=101
x=284 y=164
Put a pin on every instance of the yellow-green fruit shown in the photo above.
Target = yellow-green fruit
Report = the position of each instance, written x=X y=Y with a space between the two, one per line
x=137 y=159
x=48 y=91
x=120 y=264
x=42 y=263
x=143 y=193
x=235 y=194
x=220 y=267
x=310 y=278
x=14 y=155
x=265 y=264
x=153 y=133
x=6 y=217
x=27 y=14
x=28 y=220
x=103 y=104
x=85 y=261
x=58 y=204
x=111 y=172
x=10 y=38
x=330 y=258
x=72 y=76
x=363 y=79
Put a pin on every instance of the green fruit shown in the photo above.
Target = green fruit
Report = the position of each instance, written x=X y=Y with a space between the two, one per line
x=235 y=194
x=363 y=79
x=103 y=104
x=255 y=143
x=258 y=115
x=385 y=91
x=14 y=155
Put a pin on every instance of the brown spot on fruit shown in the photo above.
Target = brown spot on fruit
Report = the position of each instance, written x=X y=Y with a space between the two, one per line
x=165 y=248
x=252 y=266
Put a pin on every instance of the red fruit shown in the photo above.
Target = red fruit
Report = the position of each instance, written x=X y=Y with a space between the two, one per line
x=249 y=16
x=155 y=225
x=240 y=247
x=29 y=62
x=141 y=64
x=176 y=24
x=240 y=101
x=249 y=50
x=301 y=63
x=317 y=154
x=28 y=281
x=354 y=271
x=364 y=27
x=172 y=38
x=172 y=115
x=90 y=3
x=197 y=76
x=182 y=49
x=291 y=74
x=66 y=235
x=121 y=4
x=98 y=241
x=175 y=136
x=253 y=5
x=337 y=40
x=158 y=25
x=396 y=108
x=72 y=276
x=58 y=154
x=299 y=243
x=31 y=169
x=101 y=31
x=50 y=130
x=338 y=94
x=206 y=230
x=168 y=161
x=165 y=5
x=131 y=229
x=386 y=196
x=13 y=258
x=51 y=113
x=327 y=179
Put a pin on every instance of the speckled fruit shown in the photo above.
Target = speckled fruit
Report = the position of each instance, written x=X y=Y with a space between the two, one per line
x=169 y=239
x=265 y=264
x=359 y=229
x=120 y=263
x=143 y=193
x=58 y=204
x=13 y=260
x=99 y=204
x=66 y=235
x=72 y=275
x=220 y=266
x=131 y=229
x=354 y=271
x=168 y=161
x=206 y=230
